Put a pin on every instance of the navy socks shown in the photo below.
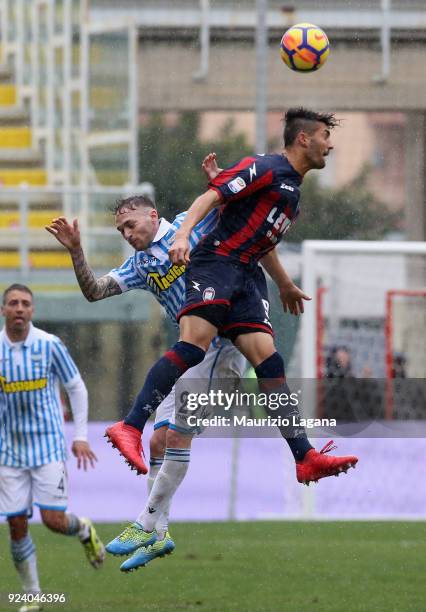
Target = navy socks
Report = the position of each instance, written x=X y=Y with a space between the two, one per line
x=160 y=380
x=273 y=368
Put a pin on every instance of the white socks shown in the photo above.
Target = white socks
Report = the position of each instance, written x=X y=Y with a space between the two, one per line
x=84 y=530
x=162 y=524
x=78 y=526
x=25 y=560
x=167 y=481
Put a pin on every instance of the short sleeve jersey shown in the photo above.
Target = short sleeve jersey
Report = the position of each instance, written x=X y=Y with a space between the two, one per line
x=260 y=197
x=152 y=270
x=31 y=416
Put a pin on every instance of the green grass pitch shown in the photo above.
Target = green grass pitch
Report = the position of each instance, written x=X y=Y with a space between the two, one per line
x=249 y=567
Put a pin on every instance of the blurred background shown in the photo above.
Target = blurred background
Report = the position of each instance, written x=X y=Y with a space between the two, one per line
x=100 y=100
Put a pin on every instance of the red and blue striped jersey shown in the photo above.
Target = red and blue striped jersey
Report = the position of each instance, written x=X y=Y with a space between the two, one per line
x=260 y=201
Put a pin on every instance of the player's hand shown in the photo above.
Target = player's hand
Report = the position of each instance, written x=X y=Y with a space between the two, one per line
x=210 y=167
x=292 y=299
x=65 y=233
x=84 y=454
x=179 y=251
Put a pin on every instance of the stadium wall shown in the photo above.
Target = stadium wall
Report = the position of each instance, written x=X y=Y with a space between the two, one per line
x=389 y=482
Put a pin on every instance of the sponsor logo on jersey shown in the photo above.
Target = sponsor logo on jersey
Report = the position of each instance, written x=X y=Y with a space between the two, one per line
x=208 y=294
x=162 y=282
x=252 y=172
x=237 y=185
x=22 y=385
x=288 y=187
x=148 y=260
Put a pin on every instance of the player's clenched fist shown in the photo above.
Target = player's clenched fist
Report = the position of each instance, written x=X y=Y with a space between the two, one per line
x=179 y=251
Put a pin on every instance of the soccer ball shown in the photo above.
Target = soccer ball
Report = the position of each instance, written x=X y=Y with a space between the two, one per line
x=304 y=47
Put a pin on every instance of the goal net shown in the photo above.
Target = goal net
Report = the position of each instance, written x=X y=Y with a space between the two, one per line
x=405 y=333
x=368 y=319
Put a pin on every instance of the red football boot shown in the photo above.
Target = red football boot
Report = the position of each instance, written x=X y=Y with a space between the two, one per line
x=128 y=441
x=316 y=465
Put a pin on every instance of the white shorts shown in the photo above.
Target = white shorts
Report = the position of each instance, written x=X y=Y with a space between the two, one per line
x=222 y=360
x=20 y=488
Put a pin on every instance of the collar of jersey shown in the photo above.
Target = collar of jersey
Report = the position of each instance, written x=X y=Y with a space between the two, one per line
x=27 y=342
x=298 y=177
x=163 y=228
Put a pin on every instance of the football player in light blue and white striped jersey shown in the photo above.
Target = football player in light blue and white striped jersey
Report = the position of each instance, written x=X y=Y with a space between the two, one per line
x=149 y=268
x=33 y=364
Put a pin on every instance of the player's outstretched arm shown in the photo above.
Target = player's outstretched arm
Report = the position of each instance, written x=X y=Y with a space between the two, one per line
x=179 y=251
x=291 y=296
x=92 y=288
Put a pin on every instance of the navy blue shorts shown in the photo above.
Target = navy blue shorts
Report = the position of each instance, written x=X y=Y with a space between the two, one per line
x=233 y=297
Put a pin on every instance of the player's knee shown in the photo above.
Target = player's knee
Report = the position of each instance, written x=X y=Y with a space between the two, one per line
x=18 y=527
x=197 y=331
x=54 y=520
x=157 y=443
x=256 y=347
x=175 y=439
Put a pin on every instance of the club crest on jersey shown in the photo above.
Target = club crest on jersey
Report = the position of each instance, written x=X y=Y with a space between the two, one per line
x=208 y=294
x=237 y=185
x=161 y=282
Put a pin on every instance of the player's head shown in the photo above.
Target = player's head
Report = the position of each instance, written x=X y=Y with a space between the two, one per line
x=136 y=218
x=17 y=308
x=308 y=132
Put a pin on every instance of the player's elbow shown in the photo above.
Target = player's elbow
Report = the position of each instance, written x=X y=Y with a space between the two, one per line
x=91 y=297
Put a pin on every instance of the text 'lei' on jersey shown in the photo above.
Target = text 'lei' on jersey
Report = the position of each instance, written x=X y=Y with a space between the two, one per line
x=31 y=416
x=152 y=270
x=261 y=201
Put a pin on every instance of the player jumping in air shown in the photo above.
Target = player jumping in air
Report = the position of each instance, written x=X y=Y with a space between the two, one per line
x=260 y=201
x=149 y=268
x=32 y=442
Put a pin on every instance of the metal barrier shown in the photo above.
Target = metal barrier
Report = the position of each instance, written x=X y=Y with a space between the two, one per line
x=67 y=71
x=25 y=211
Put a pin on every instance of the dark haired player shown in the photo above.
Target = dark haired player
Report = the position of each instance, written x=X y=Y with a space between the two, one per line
x=32 y=442
x=260 y=201
x=149 y=268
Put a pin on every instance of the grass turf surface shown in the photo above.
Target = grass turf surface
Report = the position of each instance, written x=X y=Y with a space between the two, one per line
x=249 y=567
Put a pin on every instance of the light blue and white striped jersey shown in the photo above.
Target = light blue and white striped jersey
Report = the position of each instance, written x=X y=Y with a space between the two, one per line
x=31 y=417
x=152 y=270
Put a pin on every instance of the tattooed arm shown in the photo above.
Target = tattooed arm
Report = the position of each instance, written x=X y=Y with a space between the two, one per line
x=92 y=288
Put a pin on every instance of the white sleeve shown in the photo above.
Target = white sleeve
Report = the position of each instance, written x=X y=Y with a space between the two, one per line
x=127 y=277
x=77 y=394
